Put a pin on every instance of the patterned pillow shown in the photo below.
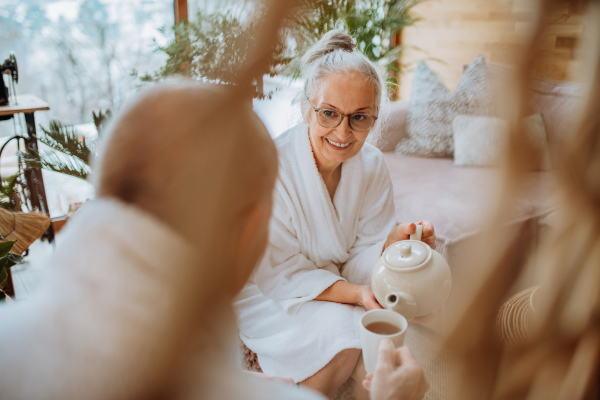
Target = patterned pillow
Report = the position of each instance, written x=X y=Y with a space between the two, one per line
x=432 y=108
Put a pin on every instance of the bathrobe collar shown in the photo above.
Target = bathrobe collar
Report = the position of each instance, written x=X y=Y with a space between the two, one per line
x=340 y=214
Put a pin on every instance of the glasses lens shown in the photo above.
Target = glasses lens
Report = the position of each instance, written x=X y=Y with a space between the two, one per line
x=361 y=122
x=329 y=118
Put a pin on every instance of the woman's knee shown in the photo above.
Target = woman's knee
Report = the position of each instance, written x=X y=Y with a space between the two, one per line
x=335 y=373
x=347 y=358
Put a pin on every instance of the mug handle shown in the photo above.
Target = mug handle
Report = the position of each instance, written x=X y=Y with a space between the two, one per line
x=418 y=233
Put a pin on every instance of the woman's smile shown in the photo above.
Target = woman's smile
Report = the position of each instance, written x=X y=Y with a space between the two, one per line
x=338 y=146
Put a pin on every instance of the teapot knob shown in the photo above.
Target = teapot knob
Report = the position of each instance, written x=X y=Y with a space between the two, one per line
x=405 y=250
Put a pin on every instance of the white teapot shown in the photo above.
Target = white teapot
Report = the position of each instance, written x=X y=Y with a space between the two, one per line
x=410 y=278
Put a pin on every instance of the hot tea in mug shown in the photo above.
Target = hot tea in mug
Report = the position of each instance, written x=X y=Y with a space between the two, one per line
x=378 y=325
x=383 y=328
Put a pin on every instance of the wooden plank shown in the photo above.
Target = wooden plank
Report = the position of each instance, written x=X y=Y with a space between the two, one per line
x=181 y=11
x=59 y=223
x=455 y=31
x=27 y=103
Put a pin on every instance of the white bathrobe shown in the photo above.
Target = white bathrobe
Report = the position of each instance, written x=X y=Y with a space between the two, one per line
x=101 y=328
x=314 y=243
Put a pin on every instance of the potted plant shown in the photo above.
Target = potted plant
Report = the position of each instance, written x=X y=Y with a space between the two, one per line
x=7 y=260
x=212 y=46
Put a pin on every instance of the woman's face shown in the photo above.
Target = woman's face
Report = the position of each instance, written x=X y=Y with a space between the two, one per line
x=346 y=93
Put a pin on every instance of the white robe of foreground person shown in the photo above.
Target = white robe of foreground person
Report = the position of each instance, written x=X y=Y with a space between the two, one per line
x=104 y=323
x=313 y=243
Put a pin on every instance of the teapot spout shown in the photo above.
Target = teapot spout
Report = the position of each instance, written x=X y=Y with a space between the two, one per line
x=403 y=303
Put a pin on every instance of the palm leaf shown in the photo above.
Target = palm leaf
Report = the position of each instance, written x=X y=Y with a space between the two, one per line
x=69 y=153
x=56 y=162
x=67 y=140
x=373 y=23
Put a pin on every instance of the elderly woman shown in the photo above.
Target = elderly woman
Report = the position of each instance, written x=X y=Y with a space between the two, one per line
x=333 y=216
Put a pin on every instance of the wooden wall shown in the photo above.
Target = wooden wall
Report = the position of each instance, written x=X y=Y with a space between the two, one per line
x=453 y=32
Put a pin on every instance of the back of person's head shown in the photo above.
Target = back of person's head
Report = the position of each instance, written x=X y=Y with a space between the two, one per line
x=193 y=155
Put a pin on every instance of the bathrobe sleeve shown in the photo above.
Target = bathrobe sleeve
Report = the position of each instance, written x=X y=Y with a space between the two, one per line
x=376 y=220
x=285 y=274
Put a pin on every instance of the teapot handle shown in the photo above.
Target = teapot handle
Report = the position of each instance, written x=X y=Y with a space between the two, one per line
x=418 y=233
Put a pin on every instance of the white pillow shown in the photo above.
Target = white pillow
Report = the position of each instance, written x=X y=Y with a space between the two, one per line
x=481 y=141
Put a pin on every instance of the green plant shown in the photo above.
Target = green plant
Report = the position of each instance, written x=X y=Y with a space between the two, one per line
x=70 y=154
x=373 y=23
x=9 y=195
x=213 y=47
x=101 y=119
x=7 y=260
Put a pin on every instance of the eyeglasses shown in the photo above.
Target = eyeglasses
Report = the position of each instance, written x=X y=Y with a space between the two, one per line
x=330 y=119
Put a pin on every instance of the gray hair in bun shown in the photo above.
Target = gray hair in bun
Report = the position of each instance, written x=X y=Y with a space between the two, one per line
x=336 y=52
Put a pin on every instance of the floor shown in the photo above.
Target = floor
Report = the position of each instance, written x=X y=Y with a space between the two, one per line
x=28 y=277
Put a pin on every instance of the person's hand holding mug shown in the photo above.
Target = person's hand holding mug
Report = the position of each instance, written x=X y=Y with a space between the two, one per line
x=398 y=376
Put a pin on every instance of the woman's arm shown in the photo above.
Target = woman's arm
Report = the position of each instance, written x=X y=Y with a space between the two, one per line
x=376 y=220
x=285 y=274
x=348 y=293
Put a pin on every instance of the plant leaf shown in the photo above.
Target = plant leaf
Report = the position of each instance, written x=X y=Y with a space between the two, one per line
x=5 y=247
x=3 y=276
x=13 y=259
x=67 y=140
x=57 y=162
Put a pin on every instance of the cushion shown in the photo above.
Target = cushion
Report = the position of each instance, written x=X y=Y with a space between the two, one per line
x=559 y=104
x=480 y=141
x=432 y=108
x=456 y=200
x=393 y=126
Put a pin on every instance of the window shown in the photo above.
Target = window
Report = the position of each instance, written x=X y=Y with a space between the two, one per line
x=78 y=55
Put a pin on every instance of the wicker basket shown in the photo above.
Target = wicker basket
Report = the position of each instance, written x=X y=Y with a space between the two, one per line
x=514 y=318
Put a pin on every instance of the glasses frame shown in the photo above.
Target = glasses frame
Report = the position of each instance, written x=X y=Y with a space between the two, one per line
x=342 y=119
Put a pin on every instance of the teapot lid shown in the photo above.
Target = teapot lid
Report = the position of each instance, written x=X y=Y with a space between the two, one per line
x=406 y=254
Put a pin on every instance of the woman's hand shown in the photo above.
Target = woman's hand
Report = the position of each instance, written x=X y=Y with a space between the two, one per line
x=398 y=376
x=348 y=293
x=367 y=298
x=403 y=232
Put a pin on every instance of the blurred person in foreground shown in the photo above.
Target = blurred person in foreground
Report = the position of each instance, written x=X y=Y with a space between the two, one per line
x=558 y=356
x=139 y=302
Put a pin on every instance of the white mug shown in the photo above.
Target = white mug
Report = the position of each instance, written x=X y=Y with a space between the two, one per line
x=371 y=340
